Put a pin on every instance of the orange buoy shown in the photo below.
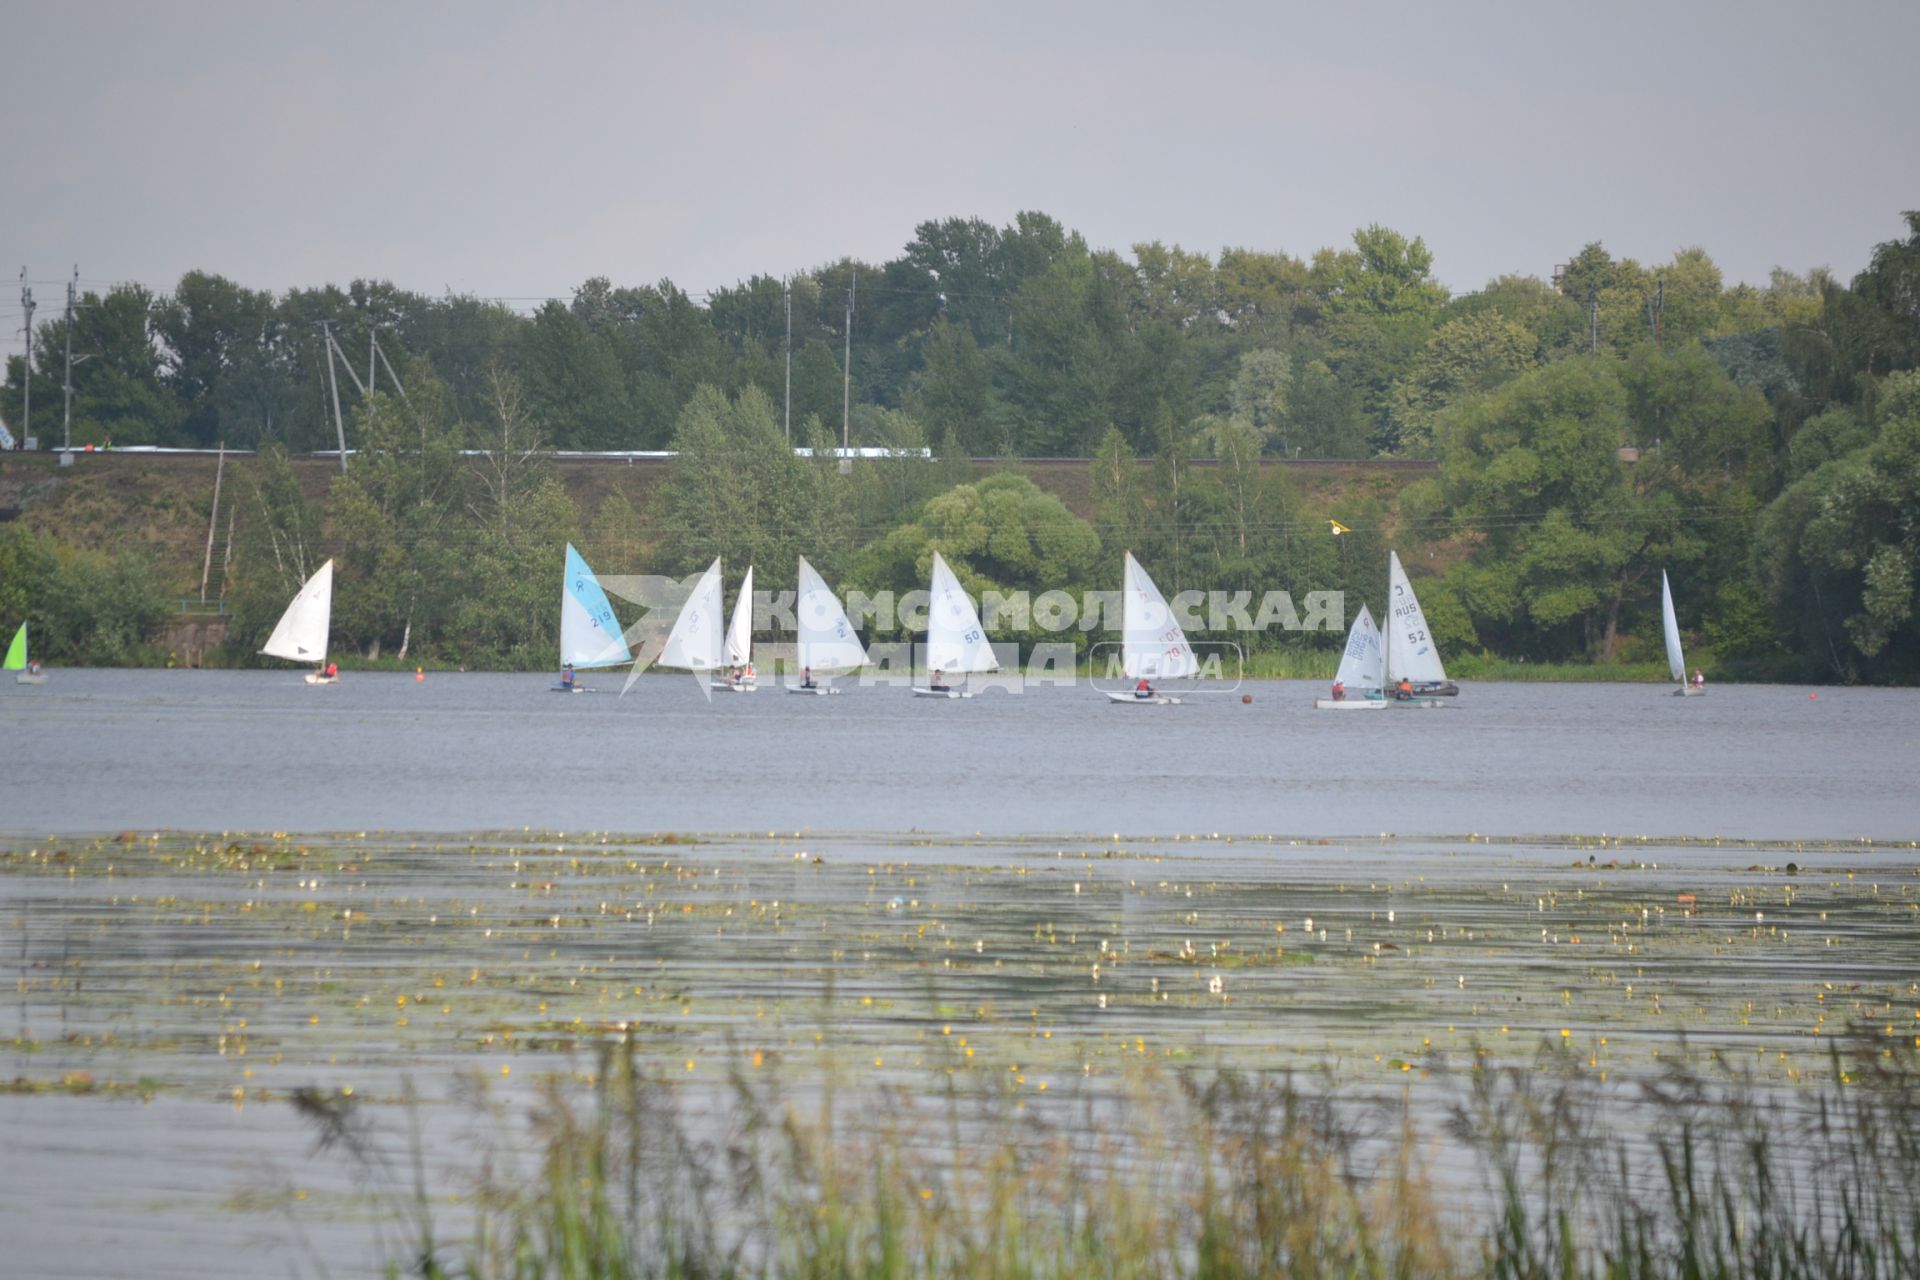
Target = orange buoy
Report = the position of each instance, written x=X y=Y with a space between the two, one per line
x=419 y=674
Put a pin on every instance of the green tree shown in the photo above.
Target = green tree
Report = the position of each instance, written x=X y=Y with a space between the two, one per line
x=397 y=513
x=1465 y=356
x=1532 y=469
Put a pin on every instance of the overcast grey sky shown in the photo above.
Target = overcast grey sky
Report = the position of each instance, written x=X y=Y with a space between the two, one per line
x=515 y=149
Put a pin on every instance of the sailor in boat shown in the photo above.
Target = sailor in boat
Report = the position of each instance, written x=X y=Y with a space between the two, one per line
x=333 y=671
x=566 y=675
x=33 y=666
x=937 y=681
x=1404 y=689
x=1144 y=689
x=1699 y=678
x=733 y=675
x=1339 y=691
x=806 y=678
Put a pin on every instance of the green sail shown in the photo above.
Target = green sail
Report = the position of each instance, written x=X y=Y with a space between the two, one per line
x=17 y=651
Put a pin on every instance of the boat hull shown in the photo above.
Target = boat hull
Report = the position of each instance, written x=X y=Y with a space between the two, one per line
x=314 y=677
x=820 y=692
x=1690 y=691
x=1447 y=690
x=1349 y=704
x=1128 y=699
x=569 y=688
x=31 y=677
x=1422 y=703
x=941 y=693
x=742 y=686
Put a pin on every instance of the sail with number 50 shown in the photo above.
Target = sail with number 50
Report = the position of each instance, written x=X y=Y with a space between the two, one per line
x=956 y=642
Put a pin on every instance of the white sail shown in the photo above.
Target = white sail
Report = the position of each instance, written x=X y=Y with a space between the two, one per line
x=301 y=635
x=1152 y=643
x=1363 y=665
x=740 y=630
x=589 y=633
x=1411 y=652
x=696 y=640
x=956 y=642
x=1676 y=662
x=826 y=638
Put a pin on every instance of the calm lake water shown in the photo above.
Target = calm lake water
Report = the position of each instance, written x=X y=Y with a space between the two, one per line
x=169 y=992
x=215 y=750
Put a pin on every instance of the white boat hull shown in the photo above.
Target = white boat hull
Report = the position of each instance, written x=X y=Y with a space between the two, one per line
x=731 y=686
x=31 y=677
x=314 y=677
x=1690 y=691
x=1128 y=699
x=570 y=688
x=819 y=691
x=1349 y=704
x=941 y=693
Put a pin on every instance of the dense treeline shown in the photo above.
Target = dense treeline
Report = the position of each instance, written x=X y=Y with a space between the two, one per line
x=1760 y=444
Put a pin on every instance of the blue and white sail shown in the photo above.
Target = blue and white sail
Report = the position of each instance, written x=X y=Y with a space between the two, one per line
x=590 y=635
x=1363 y=665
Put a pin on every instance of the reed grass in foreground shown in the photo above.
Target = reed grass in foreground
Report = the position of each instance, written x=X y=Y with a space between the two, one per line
x=1223 y=1176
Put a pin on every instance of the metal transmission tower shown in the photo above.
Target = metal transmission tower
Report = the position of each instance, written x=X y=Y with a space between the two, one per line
x=846 y=378
x=786 y=290
x=333 y=385
x=66 y=415
x=26 y=407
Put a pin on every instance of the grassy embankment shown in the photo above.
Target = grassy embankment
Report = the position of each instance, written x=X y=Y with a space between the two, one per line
x=158 y=507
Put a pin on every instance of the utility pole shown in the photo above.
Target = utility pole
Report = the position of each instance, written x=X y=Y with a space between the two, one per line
x=846 y=376
x=213 y=521
x=26 y=409
x=66 y=416
x=333 y=384
x=391 y=375
x=786 y=290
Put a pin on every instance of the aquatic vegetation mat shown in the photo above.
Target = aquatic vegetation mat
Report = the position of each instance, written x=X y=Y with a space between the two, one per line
x=1089 y=989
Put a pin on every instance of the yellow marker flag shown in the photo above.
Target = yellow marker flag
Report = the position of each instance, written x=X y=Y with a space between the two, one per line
x=1338 y=528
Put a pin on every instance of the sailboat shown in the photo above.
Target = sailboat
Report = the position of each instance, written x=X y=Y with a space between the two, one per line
x=1362 y=669
x=1152 y=645
x=826 y=641
x=30 y=672
x=1676 y=661
x=739 y=646
x=696 y=642
x=589 y=634
x=301 y=635
x=956 y=642
x=1410 y=651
